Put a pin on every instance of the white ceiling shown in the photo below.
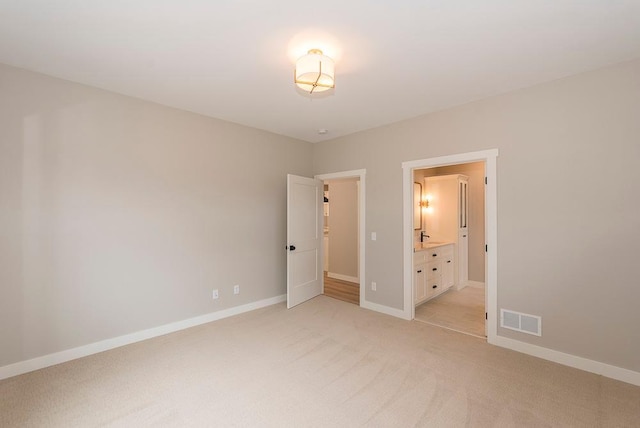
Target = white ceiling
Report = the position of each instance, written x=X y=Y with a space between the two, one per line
x=234 y=59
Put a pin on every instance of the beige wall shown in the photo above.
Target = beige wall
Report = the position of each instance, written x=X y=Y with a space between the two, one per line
x=118 y=215
x=475 y=172
x=568 y=186
x=343 y=227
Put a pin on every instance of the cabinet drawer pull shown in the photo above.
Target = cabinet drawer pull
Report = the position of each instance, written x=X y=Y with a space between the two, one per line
x=434 y=269
x=435 y=286
x=434 y=255
x=420 y=271
x=448 y=261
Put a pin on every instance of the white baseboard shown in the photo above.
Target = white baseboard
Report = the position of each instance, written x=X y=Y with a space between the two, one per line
x=603 y=369
x=343 y=277
x=576 y=362
x=475 y=284
x=399 y=313
x=37 y=363
x=472 y=284
x=26 y=366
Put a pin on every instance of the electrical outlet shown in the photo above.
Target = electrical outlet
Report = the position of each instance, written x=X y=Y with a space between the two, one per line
x=374 y=236
x=236 y=289
x=215 y=294
x=373 y=286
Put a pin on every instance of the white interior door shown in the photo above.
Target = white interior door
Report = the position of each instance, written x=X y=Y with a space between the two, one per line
x=304 y=239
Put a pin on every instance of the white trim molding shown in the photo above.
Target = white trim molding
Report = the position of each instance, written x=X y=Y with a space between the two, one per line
x=603 y=369
x=37 y=363
x=475 y=284
x=387 y=310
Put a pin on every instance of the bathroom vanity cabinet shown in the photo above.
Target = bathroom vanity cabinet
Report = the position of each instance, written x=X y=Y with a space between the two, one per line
x=433 y=271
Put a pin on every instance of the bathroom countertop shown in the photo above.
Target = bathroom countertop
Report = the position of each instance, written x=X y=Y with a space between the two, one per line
x=421 y=246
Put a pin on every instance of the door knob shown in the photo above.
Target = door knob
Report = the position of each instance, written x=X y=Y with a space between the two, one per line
x=292 y=247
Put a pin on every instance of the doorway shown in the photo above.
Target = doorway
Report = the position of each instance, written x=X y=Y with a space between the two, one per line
x=344 y=267
x=341 y=271
x=451 y=223
x=489 y=157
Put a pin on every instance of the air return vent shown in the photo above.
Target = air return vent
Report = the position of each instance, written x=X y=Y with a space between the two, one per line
x=523 y=323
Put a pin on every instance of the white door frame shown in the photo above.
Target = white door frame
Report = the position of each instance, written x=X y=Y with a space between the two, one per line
x=491 y=229
x=360 y=174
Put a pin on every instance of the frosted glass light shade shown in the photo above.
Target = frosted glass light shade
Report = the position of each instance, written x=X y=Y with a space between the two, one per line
x=315 y=72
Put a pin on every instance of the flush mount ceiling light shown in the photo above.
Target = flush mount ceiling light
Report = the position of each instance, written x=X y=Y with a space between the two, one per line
x=315 y=72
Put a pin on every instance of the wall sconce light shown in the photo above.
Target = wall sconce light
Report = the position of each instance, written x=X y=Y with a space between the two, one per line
x=315 y=72
x=425 y=203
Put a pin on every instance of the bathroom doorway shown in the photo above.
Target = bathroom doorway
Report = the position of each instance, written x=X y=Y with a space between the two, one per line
x=489 y=157
x=449 y=246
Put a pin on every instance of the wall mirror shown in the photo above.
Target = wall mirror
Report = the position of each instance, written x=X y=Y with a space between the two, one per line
x=417 y=209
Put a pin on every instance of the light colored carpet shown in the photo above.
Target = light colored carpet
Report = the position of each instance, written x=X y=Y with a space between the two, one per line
x=461 y=310
x=324 y=363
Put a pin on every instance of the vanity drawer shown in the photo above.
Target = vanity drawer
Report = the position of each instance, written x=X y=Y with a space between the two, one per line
x=433 y=287
x=434 y=268
x=439 y=253
x=434 y=253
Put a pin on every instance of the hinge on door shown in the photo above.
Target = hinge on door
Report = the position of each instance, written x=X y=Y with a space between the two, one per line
x=485 y=180
x=486 y=316
x=486 y=248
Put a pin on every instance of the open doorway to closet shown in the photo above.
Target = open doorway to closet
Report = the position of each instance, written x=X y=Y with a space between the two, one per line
x=449 y=247
x=344 y=235
x=341 y=239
